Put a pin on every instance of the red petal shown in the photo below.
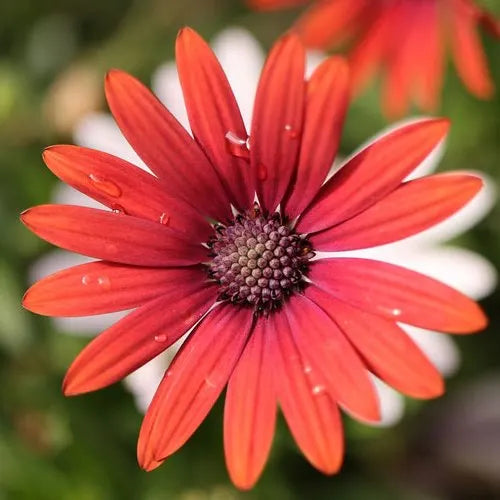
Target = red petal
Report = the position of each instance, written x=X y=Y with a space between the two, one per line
x=103 y=287
x=137 y=338
x=398 y=294
x=312 y=416
x=111 y=236
x=328 y=23
x=372 y=48
x=409 y=209
x=213 y=112
x=402 y=71
x=320 y=340
x=161 y=141
x=250 y=410
x=372 y=174
x=467 y=51
x=277 y=120
x=326 y=104
x=388 y=351
x=430 y=57
x=193 y=383
x=125 y=188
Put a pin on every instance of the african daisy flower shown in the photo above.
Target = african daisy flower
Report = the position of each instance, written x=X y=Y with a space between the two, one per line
x=223 y=239
x=406 y=39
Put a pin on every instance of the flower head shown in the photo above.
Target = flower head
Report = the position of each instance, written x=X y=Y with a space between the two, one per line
x=404 y=38
x=221 y=240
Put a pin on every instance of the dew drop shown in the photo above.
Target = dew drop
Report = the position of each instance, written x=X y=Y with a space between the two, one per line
x=307 y=369
x=293 y=134
x=104 y=282
x=160 y=338
x=118 y=209
x=164 y=219
x=236 y=145
x=87 y=279
x=209 y=383
x=100 y=281
x=318 y=389
x=107 y=187
x=396 y=312
x=261 y=172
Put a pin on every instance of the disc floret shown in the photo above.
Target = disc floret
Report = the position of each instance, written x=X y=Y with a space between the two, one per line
x=258 y=260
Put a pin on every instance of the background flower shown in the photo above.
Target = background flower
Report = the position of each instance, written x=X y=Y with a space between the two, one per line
x=406 y=40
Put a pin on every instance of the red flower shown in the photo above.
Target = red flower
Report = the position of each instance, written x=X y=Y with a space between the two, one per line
x=404 y=38
x=273 y=324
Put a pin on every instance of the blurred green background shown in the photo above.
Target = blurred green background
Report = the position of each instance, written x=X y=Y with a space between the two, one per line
x=84 y=448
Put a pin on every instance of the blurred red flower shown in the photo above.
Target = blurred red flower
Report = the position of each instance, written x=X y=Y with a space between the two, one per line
x=406 y=39
x=273 y=324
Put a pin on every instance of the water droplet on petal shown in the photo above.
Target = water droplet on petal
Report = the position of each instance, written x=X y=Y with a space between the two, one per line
x=118 y=209
x=87 y=279
x=104 y=282
x=209 y=383
x=261 y=172
x=291 y=132
x=307 y=369
x=107 y=187
x=100 y=281
x=164 y=219
x=318 y=389
x=396 y=312
x=236 y=145
x=161 y=338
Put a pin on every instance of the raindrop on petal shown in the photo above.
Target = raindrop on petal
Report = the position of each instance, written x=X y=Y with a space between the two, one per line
x=161 y=338
x=291 y=132
x=307 y=369
x=118 y=209
x=318 y=389
x=107 y=187
x=164 y=219
x=100 y=281
x=209 y=383
x=236 y=145
x=104 y=282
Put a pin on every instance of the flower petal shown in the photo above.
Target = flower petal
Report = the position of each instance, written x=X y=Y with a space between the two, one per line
x=213 y=112
x=193 y=383
x=311 y=414
x=103 y=287
x=468 y=54
x=137 y=338
x=111 y=236
x=123 y=187
x=277 y=120
x=372 y=174
x=250 y=410
x=398 y=294
x=409 y=209
x=429 y=56
x=386 y=349
x=164 y=145
x=327 y=23
x=319 y=339
x=327 y=98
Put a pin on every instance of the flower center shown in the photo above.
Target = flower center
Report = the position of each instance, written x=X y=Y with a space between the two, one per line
x=258 y=260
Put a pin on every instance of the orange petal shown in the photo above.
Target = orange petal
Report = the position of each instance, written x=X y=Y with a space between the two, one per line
x=250 y=410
